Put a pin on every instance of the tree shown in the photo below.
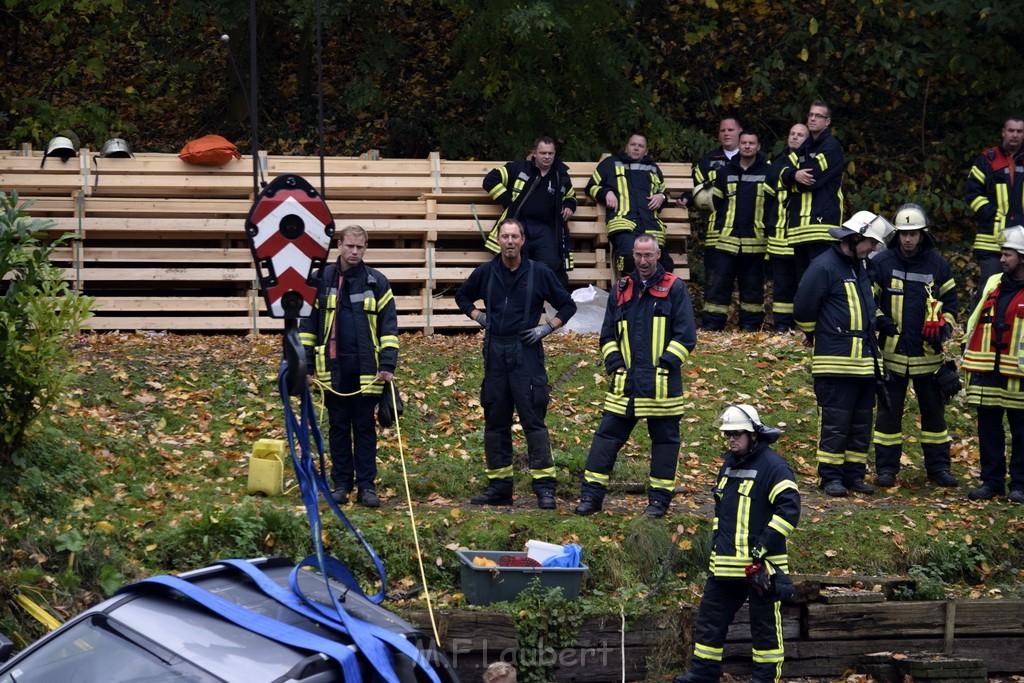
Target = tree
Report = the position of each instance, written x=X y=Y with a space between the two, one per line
x=39 y=318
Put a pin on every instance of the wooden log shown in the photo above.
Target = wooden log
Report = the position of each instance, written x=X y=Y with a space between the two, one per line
x=912 y=619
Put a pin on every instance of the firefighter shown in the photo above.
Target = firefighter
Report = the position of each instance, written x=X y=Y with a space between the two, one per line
x=757 y=506
x=917 y=307
x=352 y=338
x=514 y=289
x=780 y=252
x=835 y=308
x=648 y=332
x=632 y=188
x=538 y=192
x=995 y=192
x=815 y=188
x=993 y=358
x=743 y=198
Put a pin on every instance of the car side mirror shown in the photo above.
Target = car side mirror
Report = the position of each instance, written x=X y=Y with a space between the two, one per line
x=6 y=648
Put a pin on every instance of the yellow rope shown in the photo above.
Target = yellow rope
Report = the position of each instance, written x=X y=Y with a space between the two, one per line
x=412 y=521
x=324 y=387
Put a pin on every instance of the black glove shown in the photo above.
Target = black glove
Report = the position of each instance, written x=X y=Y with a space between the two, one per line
x=481 y=318
x=758 y=577
x=536 y=334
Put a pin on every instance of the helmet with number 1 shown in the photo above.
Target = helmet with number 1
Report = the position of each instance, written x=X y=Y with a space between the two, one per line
x=910 y=217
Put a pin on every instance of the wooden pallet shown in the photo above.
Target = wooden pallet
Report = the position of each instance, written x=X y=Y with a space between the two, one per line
x=161 y=244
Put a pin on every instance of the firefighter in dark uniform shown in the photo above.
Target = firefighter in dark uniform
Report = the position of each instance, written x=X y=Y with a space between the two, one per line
x=815 y=188
x=835 y=308
x=648 y=332
x=781 y=258
x=538 y=193
x=917 y=307
x=995 y=192
x=757 y=506
x=743 y=198
x=352 y=339
x=729 y=129
x=514 y=289
x=632 y=188
x=994 y=359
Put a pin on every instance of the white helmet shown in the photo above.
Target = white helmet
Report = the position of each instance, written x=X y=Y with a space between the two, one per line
x=866 y=224
x=702 y=198
x=910 y=217
x=1013 y=238
x=744 y=418
x=738 y=418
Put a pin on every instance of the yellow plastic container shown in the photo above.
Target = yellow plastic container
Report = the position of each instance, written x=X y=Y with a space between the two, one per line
x=266 y=467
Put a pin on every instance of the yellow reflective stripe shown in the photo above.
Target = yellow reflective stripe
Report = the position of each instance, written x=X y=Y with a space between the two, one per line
x=657 y=337
x=742 y=529
x=542 y=474
x=389 y=341
x=822 y=162
x=622 y=190
x=856 y=456
x=783 y=485
x=979 y=175
x=609 y=348
x=663 y=484
x=935 y=437
x=596 y=478
x=500 y=473
x=627 y=354
x=882 y=439
x=707 y=652
x=678 y=350
x=826 y=458
x=780 y=525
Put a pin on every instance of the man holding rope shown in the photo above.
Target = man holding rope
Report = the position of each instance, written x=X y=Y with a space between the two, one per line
x=351 y=342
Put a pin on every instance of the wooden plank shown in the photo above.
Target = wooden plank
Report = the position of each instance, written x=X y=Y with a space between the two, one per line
x=911 y=619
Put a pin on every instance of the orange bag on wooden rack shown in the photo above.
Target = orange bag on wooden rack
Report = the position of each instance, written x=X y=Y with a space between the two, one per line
x=209 y=150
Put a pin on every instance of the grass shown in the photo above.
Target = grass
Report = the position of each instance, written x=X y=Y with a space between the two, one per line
x=143 y=470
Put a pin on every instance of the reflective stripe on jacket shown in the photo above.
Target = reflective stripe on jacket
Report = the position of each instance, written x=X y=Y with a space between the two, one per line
x=990 y=349
x=757 y=505
x=632 y=182
x=376 y=321
x=834 y=303
x=647 y=334
x=995 y=192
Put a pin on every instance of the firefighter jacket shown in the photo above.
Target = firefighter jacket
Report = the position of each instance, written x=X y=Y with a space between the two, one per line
x=903 y=286
x=743 y=199
x=757 y=505
x=995 y=192
x=512 y=183
x=815 y=209
x=704 y=173
x=514 y=299
x=376 y=325
x=834 y=306
x=994 y=329
x=632 y=182
x=648 y=332
x=776 y=222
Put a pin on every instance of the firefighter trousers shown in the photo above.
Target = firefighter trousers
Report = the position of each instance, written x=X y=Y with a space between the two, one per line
x=609 y=438
x=888 y=439
x=722 y=599
x=845 y=411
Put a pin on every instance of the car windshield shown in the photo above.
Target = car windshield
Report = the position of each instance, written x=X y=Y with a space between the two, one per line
x=100 y=649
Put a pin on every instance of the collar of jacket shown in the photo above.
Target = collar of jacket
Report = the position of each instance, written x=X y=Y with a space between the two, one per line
x=760 y=160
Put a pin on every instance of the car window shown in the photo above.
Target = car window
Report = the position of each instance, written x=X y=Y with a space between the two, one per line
x=97 y=649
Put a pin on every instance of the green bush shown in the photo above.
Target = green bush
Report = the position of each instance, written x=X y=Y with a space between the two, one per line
x=39 y=317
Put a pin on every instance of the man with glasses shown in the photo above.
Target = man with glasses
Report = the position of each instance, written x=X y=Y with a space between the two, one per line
x=815 y=189
x=648 y=332
x=757 y=506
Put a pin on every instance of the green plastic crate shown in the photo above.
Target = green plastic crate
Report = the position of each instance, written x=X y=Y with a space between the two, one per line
x=484 y=585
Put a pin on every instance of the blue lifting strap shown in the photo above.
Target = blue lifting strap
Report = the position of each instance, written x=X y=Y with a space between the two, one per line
x=263 y=625
x=312 y=484
x=360 y=631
